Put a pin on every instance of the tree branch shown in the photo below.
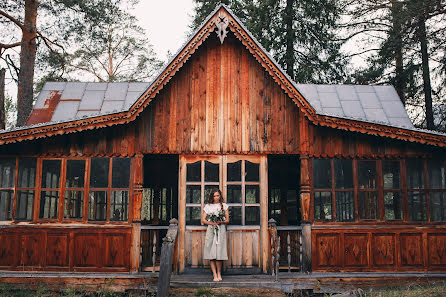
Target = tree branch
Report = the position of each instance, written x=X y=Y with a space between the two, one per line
x=10 y=45
x=12 y=19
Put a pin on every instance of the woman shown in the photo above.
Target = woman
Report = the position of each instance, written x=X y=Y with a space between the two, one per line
x=215 y=215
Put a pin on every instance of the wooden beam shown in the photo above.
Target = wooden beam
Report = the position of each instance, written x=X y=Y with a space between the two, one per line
x=264 y=212
x=182 y=214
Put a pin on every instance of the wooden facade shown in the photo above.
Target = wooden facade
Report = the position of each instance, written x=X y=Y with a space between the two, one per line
x=221 y=104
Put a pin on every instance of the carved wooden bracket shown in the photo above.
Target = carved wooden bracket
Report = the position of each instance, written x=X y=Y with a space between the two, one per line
x=221 y=24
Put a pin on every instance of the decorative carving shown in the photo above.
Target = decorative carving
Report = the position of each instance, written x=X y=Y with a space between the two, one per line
x=221 y=24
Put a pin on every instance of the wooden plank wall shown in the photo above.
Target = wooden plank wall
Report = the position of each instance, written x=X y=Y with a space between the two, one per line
x=384 y=249
x=65 y=249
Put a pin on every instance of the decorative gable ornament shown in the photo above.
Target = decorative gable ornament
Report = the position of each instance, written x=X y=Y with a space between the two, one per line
x=222 y=23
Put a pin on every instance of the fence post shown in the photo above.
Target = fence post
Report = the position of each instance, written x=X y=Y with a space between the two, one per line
x=166 y=259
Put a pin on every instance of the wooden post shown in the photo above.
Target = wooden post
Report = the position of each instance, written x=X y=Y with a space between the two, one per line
x=273 y=240
x=137 y=180
x=264 y=212
x=167 y=250
x=305 y=207
x=182 y=215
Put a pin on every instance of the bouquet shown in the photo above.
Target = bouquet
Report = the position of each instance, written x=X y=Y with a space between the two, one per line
x=216 y=216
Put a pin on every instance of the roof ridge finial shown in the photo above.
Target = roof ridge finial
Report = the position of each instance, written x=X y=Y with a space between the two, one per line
x=222 y=23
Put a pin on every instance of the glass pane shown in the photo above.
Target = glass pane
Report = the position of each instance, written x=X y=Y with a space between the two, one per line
x=391 y=174
x=234 y=171
x=436 y=174
x=207 y=192
x=24 y=207
x=27 y=172
x=235 y=215
x=252 y=215
x=322 y=174
x=51 y=174
x=368 y=207
x=367 y=174
x=322 y=206
x=7 y=172
x=193 y=215
x=417 y=206
x=211 y=172
x=193 y=171
x=252 y=194
x=438 y=206
x=97 y=206
x=119 y=205
x=74 y=201
x=49 y=204
x=193 y=194
x=6 y=197
x=75 y=174
x=121 y=173
x=345 y=209
x=393 y=207
x=234 y=193
x=343 y=171
x=99 y=172
x=415 y=174
x=251 y=172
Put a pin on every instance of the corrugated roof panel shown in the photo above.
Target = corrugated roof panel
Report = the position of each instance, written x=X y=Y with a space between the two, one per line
x=54 y=86
x=369 y=100
x=347 y=93
x=92 y=100
x=329 y=100
x=65 y=110
x=112 y=106
x=138 y=86
x=394 y=109
x=387 y=93
x=116 y=91
x=73 y=90
x=353 y=109
x=94 y=86
x=376 y=115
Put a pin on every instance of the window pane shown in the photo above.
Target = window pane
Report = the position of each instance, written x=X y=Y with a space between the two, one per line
x=193 y=194
x=393 y=206
x=368 y=208
x=436 y=174
x=121 y=173
x=417 y=206
x=7 y=172
x=234 y=193
x=6 y=197
x=119 y=205
x=391 y=174
x=234 y=171
x=367 y=174
x=343 y=174
x=252 y=194
x=345 y=209
x=235 y=215
x=27 y=172
x=99 y=172
x=193 y=215
x=24 y=207
x=51 y=174
x=97 y=206
x=252 y=215
x=49 y=204
x=207 y=192
x=438 y=206
x=251 y=171
x=193 y=171
x=322 y=206
x=211 y=172
x=73 y=207
x=322 y=174
x=75 y=174
x=415 y=174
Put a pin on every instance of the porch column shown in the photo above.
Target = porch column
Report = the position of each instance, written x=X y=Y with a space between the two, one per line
x=137 y=185
x=305 y=207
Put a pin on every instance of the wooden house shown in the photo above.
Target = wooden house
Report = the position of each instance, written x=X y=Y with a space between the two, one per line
x=92 y=180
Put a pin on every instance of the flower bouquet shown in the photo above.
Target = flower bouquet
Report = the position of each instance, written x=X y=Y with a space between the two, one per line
x=216 y=216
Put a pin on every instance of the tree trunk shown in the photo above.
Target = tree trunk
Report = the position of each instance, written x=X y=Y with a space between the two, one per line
x=426 y=73
x=2 y=99
x=398 y=51
x=27 y=62
x=289 y=51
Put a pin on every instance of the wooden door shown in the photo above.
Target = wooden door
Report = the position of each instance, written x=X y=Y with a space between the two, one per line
x=242 y=180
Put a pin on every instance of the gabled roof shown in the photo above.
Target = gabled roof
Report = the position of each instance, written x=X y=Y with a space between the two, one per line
x=374 y=110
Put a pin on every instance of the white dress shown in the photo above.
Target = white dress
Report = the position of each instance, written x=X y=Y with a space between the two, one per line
x=215 y=245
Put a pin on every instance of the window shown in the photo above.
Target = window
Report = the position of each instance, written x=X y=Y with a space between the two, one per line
x=416 y=195
x=99 y=176
x=120 y=189
x=74 y=189
x=50 y=187
x=393 y=204
x=437 y=190
x=7 y=179
x=322 y=182
x=345 y=208
x=25 y=189
x=368 y=202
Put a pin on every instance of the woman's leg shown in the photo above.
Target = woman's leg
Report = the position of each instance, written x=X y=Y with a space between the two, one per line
x=219 y=264
x=213 y=268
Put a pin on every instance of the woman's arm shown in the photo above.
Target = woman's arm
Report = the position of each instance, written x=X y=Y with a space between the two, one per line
x=206 y=222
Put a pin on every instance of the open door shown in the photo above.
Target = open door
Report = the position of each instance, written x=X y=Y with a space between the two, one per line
x=242 y=180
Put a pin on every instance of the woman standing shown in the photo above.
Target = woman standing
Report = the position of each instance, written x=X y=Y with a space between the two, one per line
x=215 y=215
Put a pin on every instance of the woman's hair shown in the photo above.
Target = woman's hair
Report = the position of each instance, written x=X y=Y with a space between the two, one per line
x=211 y=197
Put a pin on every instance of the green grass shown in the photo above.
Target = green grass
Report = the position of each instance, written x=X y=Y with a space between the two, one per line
x=204 y=292
x=437 y=289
